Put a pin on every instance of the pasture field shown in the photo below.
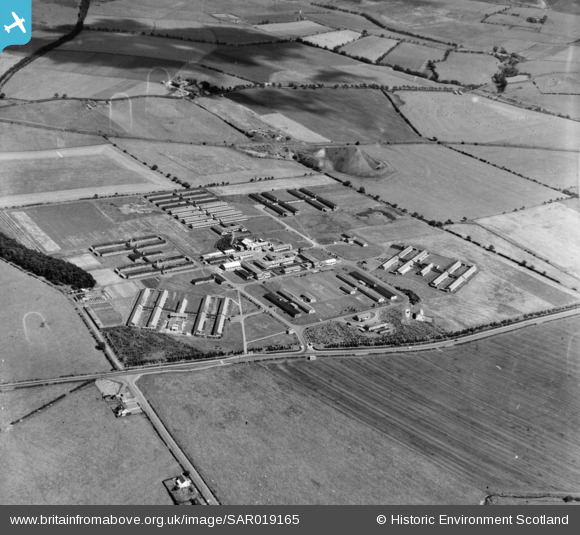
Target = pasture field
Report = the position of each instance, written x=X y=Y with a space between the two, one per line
x=456 y=118
x=42 y=335
x=156 y=118
x=529 y=95
x=364 y=115
x=64 y=447
x=12 y=55
x=351 y=74
x=19 y=138
x=504 y=246
x=91 y=74
x=292 y=128
x=440 y=174
x=552 y=232
x=291 y=455
x=291 y=30
x=200 y=165
x=468 y=68
x=337 y=19
x=499 y=290
x=239 y=116
x=20 y=402
x=372 y=48
x=412 y=56
x=67 y=174
x=557 y=169
x=199 y=73
x=279 y=183
x=262 y=326
x=260 y=62
x=558 y=83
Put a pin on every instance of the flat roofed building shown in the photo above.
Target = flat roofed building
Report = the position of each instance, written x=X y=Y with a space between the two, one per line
x=230 y=266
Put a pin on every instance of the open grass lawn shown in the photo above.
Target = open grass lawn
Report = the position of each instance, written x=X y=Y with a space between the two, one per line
x=339 y=115
x=42 y=336
x=56 y=458
x=451 y=185
x=472 y=118
x=261 y=326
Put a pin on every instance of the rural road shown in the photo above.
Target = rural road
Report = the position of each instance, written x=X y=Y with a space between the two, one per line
x=169 y=441
x=251 y=357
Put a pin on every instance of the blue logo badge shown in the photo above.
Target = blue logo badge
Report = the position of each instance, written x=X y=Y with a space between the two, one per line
x=15 y=27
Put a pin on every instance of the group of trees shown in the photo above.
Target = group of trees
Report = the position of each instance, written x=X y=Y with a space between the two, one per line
x=54 y=270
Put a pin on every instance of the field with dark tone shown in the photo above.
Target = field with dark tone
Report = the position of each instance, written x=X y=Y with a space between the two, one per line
x=339 y=115
x=499 y=415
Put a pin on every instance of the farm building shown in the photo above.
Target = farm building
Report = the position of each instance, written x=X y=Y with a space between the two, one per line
x=297 y=194
x=317 y=205
x=270 y=196
x=292 y=209
x=327 y=203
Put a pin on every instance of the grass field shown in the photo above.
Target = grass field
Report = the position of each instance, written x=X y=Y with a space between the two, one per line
x=155 y=118
x=280 y=449
x=300 y=28
x=259 y=63
x=16 y=404
x=65 y=174
x=564 y=83
x=42 y=335
x=19 y=138
x=505 y=246
x=441 y=175
x=371 y=48
x=458 y=118
x=337 y=19
x=333 y=39
x=279 y=183
x=557 y=169
x=551 y=232
x=363 y=115
x=412 y=56
x=51 y=451
x=468 y=68
x=201 y=165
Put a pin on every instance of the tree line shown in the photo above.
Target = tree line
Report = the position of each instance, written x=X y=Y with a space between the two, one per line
x=54 y=270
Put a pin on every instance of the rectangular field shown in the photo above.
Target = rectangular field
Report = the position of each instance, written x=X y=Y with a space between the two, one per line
x=442 y=174
x=457 y=118
x=557 y=169
x=300 y=28
x=340 y=115
x=66 y=174
x=333 y=39
x=412 y=56
x=372 y=48
x=201 y=165
x=468 y=68
x=42 y=335
x=50 y=451
x=290 y=453
x=552 y=232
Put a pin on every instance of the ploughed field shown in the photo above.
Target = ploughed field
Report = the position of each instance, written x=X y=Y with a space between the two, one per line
x=447 y=426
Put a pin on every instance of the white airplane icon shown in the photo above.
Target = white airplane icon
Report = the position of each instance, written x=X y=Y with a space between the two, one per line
x=17 y=22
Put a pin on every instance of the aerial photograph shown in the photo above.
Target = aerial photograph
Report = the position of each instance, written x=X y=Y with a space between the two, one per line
x=290 y=252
